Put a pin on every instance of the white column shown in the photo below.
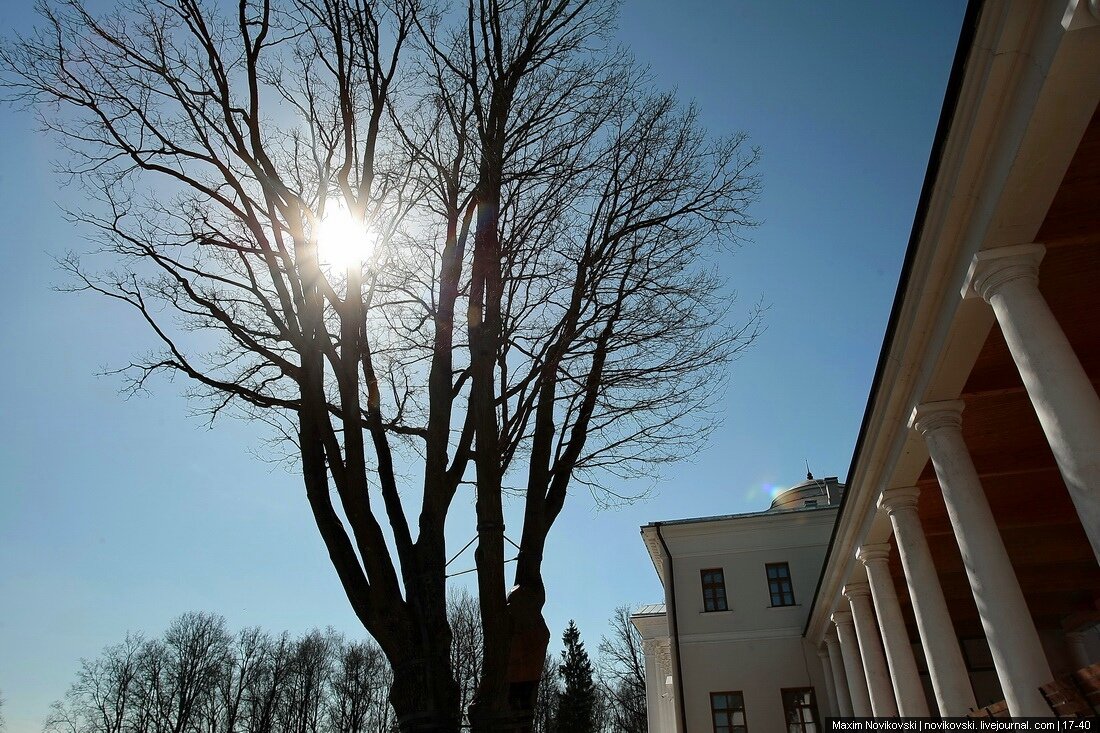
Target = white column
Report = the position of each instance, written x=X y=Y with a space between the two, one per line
x=1060 y=391
x=853 y=664
x=830 y=688
x=946 y=667
x=840 y=680
x=1013 y=641
x=870 y=648
x=899 y=652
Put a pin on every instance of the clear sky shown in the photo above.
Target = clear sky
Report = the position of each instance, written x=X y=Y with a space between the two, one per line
x=119 y=515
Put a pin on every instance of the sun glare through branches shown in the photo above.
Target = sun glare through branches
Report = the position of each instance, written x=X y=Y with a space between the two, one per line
x=342 y=241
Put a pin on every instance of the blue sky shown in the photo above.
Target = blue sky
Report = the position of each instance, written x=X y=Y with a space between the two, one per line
x=119 y=515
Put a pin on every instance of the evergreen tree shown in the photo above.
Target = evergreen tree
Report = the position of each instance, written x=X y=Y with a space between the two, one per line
x=576 y=711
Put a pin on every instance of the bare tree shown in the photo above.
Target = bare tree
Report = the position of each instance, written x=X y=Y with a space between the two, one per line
x=103 y=693
x=303 y=708
x=359 y=689
x=622 y=670
x=318 y=683
x=269 y=685
x=466 y=645
x=510 y=166
x=182 y=671
x=241 y=667
x=161 y=686
x=546 y=699
x=589 y=321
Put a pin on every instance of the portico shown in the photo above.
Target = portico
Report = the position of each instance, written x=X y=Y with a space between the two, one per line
x=973 y=509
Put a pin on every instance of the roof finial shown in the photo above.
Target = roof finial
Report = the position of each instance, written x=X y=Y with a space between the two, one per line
x=809 y=476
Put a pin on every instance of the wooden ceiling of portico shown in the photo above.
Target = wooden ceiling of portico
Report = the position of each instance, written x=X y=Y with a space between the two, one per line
x=1044 y=538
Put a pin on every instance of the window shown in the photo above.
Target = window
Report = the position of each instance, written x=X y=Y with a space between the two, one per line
x=800 y=710
x=779 y=584
x=727 y=710
x=714 y=589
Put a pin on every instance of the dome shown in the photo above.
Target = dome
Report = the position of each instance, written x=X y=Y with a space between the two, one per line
x=813 y=492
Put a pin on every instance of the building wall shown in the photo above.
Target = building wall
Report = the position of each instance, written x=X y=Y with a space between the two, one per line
x=752 y=647
x=797 y=538
x=800 y=542
x=759 y=669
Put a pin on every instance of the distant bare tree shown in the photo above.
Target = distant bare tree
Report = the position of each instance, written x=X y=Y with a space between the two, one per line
x=622 y=670
x=303 y=705
x=269 y=684
x=360 y=686
x=538 y=308
x=466 y=645
x=242 y=666
x=159 y=686
x=104 y=692
x=247 y=683
x=546 y=700
x=181 y=672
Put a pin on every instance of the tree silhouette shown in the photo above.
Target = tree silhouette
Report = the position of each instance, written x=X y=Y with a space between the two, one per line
x=528 y=305
x=576 y=711
x=198 y=677
x=622 y=668
x=546 y=700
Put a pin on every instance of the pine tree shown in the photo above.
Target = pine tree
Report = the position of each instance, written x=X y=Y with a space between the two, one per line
x=577 y=702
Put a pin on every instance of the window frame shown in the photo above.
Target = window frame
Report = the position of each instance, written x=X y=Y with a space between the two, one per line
x=719 y=587
x=816 y=722
x=779 y=581
x=731 y=728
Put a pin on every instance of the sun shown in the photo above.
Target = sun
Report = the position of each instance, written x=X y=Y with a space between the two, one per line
x=343 y=242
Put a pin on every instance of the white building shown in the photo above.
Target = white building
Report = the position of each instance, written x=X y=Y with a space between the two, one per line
x=963 y=566
x=737 y=593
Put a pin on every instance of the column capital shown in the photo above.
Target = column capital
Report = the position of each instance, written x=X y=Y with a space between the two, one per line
x=993 y=268
x=858 y=589
x=928 y=417
x=898 y=499
x=842 y=618
x=878 y=551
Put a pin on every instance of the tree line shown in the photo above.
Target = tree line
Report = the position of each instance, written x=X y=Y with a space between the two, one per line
x=199 y=677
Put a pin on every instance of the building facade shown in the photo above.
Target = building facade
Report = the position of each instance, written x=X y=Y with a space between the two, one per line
x=962 y=569
x=737 y=595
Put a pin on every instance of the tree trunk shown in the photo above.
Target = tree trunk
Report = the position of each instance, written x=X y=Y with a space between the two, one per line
x=424 y=694
x=527 y=645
